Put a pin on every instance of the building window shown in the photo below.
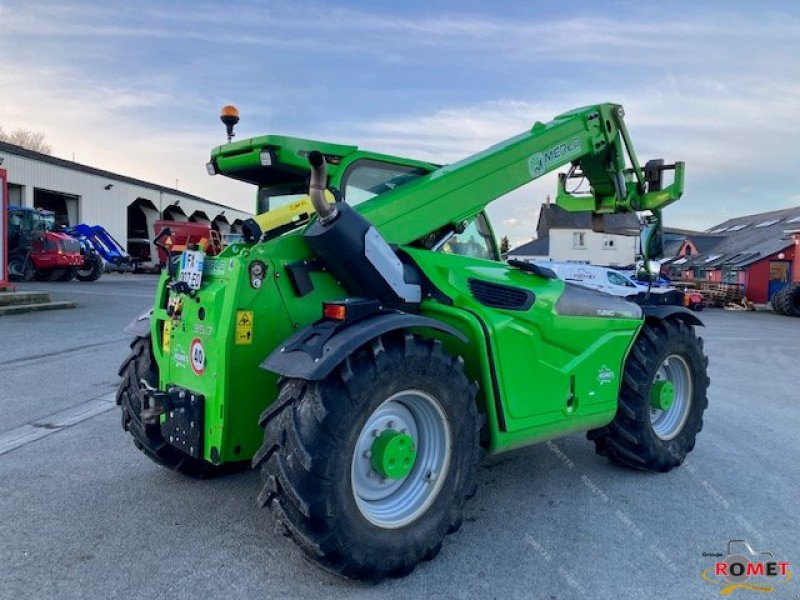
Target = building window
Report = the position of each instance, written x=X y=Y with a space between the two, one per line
x=687 y=251
x=730 y=276
x=578 y=239
x=608 y=243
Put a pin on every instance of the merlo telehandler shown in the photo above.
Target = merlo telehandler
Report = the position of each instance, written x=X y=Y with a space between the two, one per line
x=365 y=346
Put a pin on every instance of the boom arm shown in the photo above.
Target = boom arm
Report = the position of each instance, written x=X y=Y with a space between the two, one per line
x=593 y=139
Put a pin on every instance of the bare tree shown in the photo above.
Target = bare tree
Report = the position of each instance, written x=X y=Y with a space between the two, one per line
x=32 y=140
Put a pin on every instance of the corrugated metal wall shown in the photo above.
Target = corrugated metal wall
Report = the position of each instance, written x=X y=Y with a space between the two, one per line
x=98 y=206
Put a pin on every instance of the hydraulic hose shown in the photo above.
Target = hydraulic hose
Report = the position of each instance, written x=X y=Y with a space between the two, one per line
x=316 y=189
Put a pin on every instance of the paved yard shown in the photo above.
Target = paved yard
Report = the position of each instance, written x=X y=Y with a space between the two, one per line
x=84 y=514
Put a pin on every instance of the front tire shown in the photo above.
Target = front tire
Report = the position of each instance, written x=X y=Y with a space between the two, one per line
x=648 y=432
x=20 y=267
x=140 y=365
x=317 y=462
x=91 y=270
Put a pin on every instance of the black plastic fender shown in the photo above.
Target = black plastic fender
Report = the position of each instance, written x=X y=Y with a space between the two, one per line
x=313 y=352
x=671 y=312
x=140 y=326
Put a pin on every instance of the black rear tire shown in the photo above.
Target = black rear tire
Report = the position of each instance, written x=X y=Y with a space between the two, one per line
x=147 y=438
x=791 y=303
x=778 y=300
x=91 y=270
x=630 y=439
x=310 y=437
x=67 y=274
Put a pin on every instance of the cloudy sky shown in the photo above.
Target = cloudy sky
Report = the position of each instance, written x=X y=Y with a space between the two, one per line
x=135 y=87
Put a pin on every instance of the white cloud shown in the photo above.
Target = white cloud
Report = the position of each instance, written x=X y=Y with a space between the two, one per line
x=98 y=129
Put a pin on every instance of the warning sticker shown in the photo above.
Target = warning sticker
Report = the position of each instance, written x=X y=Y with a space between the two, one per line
x=197 y=354
x=244 y=327
x=166 y=336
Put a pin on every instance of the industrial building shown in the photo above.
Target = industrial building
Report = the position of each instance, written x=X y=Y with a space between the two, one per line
x=758 y=252
x=125 y=206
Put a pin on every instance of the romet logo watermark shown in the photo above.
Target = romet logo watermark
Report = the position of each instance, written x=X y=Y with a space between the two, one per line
x=538 y=163
x=744 y=568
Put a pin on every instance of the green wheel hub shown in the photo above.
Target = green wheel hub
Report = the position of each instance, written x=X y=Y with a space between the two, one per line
x=393 y=454
x=662 y=394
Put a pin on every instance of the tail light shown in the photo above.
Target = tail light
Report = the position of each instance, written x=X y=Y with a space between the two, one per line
x=335 y=312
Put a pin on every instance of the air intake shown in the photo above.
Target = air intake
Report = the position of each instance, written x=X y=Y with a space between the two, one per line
x=500 y=296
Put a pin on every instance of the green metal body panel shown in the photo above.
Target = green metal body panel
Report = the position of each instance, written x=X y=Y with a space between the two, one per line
x=541 y=374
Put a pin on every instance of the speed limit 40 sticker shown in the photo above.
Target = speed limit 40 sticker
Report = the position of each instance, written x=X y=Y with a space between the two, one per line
x=198 y=356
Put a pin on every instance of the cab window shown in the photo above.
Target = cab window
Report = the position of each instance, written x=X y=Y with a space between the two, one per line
x=475 y=241
x=14 y=223
x=366 y=179
x=276 y=196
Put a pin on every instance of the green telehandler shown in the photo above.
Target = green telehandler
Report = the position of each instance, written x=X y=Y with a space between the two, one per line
x=364 y=346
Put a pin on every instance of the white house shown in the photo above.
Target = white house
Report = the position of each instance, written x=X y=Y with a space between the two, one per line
x=566 y=236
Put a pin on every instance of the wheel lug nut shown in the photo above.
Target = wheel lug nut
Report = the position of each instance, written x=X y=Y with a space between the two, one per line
x=367 y=453
x=390 y=425
x=375 y=433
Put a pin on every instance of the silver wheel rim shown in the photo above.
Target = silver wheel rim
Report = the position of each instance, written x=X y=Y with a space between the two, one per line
x=390 y=503
x=669 y=423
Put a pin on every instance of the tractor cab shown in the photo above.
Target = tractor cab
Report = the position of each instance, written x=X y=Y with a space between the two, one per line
x=278 y=167
x=36 y=248
x=26 y=221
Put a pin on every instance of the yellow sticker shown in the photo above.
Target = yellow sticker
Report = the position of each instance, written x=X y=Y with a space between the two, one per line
x=244 y=327
x=165 y=337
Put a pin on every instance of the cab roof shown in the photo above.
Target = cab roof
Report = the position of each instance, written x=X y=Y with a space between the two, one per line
x=280 y=159
x=38 y=211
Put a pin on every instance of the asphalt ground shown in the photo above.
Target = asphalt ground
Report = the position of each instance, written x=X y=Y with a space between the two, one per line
x=84 y=514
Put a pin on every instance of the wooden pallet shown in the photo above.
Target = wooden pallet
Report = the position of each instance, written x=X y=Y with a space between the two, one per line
x=719 y=294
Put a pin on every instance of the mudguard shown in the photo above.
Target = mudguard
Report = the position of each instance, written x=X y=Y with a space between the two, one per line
x=140 y=326
x=312 y=353
x=671 y=312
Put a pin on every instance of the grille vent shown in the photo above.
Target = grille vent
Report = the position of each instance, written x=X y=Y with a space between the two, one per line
x=500 y=296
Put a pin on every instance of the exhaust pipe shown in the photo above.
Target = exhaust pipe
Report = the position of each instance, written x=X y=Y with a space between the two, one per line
x=316 y=189
x=353 y=251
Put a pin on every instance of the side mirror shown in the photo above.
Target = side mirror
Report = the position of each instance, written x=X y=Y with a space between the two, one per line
x=648 y=270
x=651 y=238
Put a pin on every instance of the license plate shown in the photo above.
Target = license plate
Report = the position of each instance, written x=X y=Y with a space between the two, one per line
x=192 y=268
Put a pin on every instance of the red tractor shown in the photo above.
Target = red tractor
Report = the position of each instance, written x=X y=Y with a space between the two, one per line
x=36 y=250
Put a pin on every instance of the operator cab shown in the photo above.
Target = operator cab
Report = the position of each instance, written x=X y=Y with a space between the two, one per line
x=361 y=181
x=278 y=166
x=22 y=222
